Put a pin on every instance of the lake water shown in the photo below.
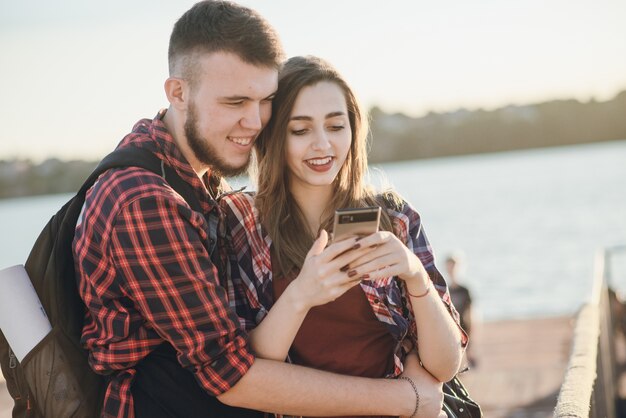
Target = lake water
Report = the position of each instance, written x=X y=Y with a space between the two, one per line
x=528 y=222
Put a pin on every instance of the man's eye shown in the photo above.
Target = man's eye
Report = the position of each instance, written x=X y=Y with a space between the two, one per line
x=236 y=103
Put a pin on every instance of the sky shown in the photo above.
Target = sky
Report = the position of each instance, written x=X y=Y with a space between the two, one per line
x=75 y=75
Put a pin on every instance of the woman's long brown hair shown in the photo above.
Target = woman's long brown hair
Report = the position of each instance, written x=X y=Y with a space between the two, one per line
x=278 y=211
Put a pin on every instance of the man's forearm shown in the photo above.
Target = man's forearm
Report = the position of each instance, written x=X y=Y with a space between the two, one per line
x=278 y=387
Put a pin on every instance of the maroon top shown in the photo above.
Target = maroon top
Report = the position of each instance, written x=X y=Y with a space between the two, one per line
x=343 y=336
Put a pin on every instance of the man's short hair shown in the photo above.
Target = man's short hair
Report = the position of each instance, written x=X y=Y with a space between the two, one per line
x=222 y=26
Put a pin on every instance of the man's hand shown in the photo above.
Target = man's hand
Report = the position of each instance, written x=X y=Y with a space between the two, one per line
x=430 y=389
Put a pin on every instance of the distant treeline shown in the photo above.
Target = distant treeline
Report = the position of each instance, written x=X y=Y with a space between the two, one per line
x=399 y=137
x=24 y=178
x=559 y=122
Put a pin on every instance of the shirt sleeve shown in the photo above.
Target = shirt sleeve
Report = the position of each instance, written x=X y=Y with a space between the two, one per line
x=159 y=249
x=417 y=242
x=248 y=266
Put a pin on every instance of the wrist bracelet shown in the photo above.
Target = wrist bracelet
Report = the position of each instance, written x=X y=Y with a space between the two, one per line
x=417 y=395
x=428 y=286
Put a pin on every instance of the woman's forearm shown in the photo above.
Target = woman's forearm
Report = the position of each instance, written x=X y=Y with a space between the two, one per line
x=439 y=337
x=273 y=337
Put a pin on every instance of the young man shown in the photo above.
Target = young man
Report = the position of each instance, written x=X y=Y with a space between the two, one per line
x=158 y=322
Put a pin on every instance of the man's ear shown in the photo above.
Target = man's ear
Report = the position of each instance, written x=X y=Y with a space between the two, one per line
x=177 y=91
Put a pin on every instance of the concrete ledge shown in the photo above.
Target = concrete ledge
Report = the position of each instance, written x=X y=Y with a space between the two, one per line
x=575 y=396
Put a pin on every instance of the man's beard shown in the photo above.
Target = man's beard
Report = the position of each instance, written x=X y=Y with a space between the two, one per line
x=205 y=152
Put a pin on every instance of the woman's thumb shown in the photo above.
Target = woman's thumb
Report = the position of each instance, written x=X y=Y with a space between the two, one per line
x=319 y=244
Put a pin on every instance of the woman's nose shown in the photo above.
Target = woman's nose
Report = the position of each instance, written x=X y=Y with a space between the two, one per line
x=321 y=141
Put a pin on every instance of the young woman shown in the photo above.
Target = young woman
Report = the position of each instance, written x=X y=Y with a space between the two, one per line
x=354 y=306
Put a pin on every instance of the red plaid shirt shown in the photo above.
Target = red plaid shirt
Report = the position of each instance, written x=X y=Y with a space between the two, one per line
x=145 y=273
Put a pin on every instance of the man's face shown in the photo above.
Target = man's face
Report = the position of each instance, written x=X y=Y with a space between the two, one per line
x=451 y=268
x=229 y=105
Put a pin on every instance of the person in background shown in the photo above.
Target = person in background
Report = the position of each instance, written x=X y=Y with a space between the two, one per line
x=462 y=301
x=354 y=306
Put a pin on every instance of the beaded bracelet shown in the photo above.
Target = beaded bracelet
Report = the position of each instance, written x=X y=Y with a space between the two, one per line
x=423 y=294
x=417 y=395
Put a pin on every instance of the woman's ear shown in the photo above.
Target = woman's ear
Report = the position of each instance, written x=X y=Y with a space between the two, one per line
x=176 y=90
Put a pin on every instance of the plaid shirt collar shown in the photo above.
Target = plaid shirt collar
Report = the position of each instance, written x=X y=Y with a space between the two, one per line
x=153 y=135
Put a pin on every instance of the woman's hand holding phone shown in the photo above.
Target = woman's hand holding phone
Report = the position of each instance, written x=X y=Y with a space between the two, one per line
x=390 y=257
x=324 y=277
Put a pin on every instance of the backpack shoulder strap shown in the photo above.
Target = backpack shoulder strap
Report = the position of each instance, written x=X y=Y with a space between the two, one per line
x=139 y=157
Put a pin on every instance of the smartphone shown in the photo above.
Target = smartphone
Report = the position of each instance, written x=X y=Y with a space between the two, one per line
x=350 y=222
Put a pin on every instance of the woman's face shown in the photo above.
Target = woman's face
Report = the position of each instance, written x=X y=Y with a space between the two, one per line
x=318 y=136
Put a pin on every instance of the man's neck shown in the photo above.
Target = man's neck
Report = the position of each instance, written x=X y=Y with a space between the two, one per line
x=175 y=126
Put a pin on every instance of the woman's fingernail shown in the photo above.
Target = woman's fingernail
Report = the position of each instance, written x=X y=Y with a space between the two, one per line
x=356 y=246
x=344 y=268
x=352 y=273
x=365 y=276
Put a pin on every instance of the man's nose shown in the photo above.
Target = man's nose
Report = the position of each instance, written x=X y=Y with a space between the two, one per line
x=252 y=118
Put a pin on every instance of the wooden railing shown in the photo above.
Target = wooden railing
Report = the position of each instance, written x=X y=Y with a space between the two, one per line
x=589 y=387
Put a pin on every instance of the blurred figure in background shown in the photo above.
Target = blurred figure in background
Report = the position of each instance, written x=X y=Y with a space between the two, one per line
x=462 y=301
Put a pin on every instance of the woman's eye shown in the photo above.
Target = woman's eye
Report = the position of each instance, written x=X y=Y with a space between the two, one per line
x=298 y=131
x=337 y=127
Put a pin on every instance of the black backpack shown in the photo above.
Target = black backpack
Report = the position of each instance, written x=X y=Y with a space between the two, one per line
x=54 y=379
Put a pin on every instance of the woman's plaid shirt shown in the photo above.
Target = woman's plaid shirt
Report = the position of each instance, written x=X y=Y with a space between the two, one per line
x=249 y=271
